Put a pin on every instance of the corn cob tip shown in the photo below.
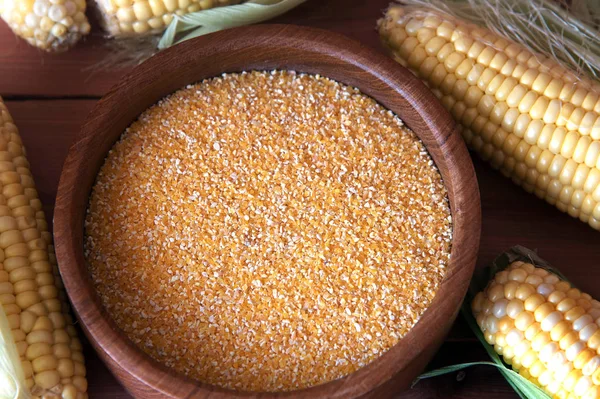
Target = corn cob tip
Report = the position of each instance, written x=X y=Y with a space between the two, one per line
x=51 y=25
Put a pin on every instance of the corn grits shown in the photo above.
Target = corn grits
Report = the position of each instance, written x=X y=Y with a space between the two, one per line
x=267 y=231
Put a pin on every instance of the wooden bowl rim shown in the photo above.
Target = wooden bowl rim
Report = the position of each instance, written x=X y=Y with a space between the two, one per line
x=102 y=331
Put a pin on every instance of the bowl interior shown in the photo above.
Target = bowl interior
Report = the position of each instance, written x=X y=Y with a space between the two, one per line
x=269 y=47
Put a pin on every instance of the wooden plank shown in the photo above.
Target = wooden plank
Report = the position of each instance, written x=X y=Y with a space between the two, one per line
x=472 y=383
x=355 y=19
x=26 y=71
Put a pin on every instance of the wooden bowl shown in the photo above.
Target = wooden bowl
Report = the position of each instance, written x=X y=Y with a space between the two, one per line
x=268 y=47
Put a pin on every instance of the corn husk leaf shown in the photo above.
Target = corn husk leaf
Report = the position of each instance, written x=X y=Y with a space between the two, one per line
x=522 y=386
x=129 y=51
x=570 y=35
x=203 y=22
x=12 y=378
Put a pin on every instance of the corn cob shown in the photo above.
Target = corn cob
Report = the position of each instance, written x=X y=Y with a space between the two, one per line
x=544 y=328
x=142 y=17
x=31 y=292
x=529 y=117
x=51 y=25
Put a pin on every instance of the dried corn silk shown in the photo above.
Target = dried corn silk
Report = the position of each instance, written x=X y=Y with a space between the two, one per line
x=267 y=231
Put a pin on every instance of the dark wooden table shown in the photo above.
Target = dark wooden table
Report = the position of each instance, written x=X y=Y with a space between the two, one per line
x=49 y=97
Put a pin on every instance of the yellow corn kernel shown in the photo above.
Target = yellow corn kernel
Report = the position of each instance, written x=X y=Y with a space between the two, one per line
x=528 y=96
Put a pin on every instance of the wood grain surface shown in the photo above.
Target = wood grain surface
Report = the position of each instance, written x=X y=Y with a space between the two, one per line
x=49 y=97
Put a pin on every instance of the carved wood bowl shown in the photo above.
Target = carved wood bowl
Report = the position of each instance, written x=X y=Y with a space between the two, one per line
x=268 y=47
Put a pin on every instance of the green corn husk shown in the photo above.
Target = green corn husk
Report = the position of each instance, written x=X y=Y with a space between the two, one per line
x=203 y=22
x=570 y=35
x=130 y=51
x=522 y=386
